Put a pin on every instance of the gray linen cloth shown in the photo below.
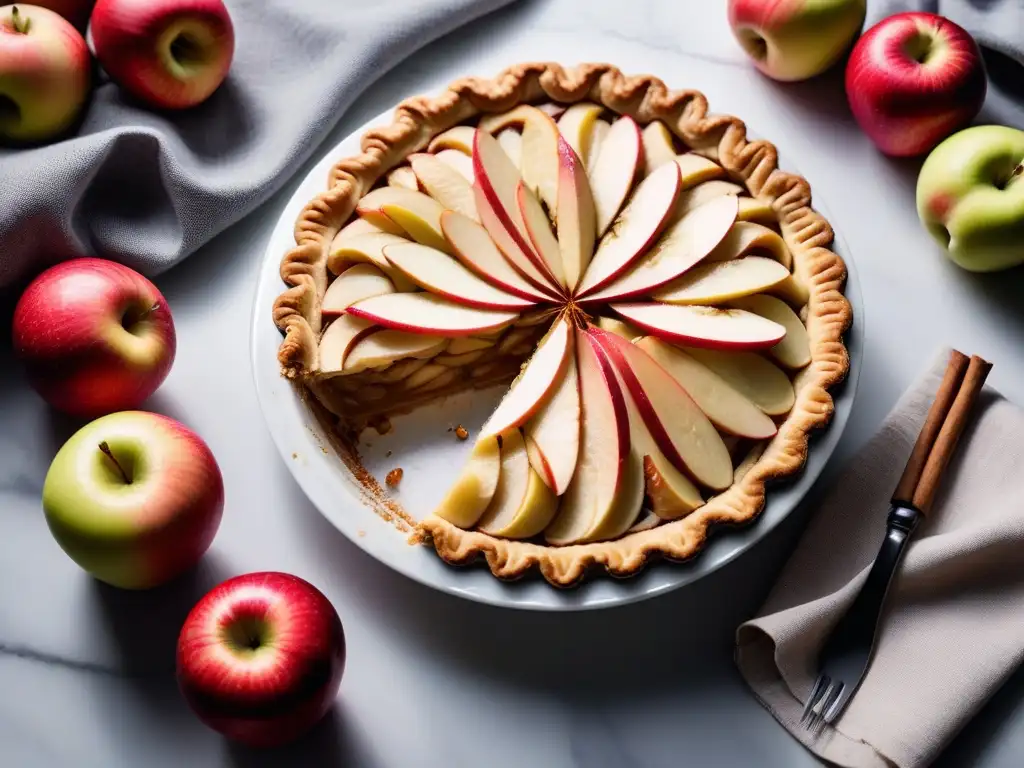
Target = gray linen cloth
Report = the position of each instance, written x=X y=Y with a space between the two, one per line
x=953 y=630
x=147 y=188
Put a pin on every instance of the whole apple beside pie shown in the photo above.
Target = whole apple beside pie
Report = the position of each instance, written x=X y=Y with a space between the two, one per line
x=658 y=296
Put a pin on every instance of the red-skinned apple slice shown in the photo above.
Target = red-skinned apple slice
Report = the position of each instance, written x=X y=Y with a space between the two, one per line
x=416 y=213
x=538 y=226
x=756 y=378
x=404 y=177
x=685 y=435
x=606 y=490
x=707 y=327
x=360 y=226
x=429 y=314
x=443 y=183
x=794 y=351
x=577 y=218
x=612 y=174
x=695 y=197
x=356 y=283
x=634 y=230
x=384 y=347
x=368 y=249
x=681 y=246
x=577 y=126
x=475 y=248
x=658 y=146
x=516 y=256
x=553 y=433
x=537 y=381
x=746 y=238
x=443 y=276
x=511 y=141
x=339 y=338
x=522 y=505
x=719 y=282
x=538 y=160
x=459 y=138
x=462 y=163
x=727 y=409
x=472 y=493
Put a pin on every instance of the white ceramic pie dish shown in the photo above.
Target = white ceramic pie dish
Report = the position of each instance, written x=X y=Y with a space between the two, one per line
x=423 y=445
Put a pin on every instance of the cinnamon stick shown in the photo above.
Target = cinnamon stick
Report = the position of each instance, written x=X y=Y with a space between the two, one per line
x=949 y=435
x=943 y=401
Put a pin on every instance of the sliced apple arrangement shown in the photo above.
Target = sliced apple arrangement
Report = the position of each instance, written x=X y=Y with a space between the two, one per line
x=643 y=305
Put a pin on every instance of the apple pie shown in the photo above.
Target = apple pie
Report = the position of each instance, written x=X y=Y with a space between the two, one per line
x=658 y=296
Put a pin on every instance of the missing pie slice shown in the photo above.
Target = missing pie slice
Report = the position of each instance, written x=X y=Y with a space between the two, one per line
x=658 y=296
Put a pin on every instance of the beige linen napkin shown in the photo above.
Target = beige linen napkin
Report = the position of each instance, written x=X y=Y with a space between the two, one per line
x=953 y=630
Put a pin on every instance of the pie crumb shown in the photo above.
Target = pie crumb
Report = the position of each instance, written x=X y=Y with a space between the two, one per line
x=361 y=532
x=461 y=432
x=394 y=477
x=295 y=455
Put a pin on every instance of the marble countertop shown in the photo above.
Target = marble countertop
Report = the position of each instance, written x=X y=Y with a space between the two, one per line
x=86 y=672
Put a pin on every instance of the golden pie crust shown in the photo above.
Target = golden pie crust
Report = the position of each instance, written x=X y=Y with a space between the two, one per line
x=721 y=138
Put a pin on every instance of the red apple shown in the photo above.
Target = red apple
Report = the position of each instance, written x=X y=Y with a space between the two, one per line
x=75 y=11
x=912 y=80
x=171 y=54
x=44 y=74
x=134 y=498
x=260 y=658
x=95 y=336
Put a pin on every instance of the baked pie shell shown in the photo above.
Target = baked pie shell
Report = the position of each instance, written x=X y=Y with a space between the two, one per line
x=721 y=138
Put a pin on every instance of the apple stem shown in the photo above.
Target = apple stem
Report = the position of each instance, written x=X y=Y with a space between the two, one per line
x=21 y=24
x=105 y=449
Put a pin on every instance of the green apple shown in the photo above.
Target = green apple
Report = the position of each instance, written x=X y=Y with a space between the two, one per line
x=970 y=197
x=134 y=498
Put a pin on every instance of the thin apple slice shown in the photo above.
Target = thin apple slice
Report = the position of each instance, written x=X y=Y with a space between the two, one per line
x=358 y=282
x=471 y=494
x=727 y=408
x=403 y=177
x=445 y=184
x=793 y=351
x=522 y=262
x=368 y=249
x=443 y=276
x=416 y=213
x=465 y=344
x=634 y=230
x=428 y=314
x=613 y=325
x=612 y=174
x=695 y=197
x=522 y=505
x=339 y=338
x=360 y=226
x=696 y=169
x=601 y=491
x=461 y=162
x=659 y=146
x=757 y=212
x=746 y=238
x=597 y=136
x=577 y=126
x=511 y=141
x=459 y=138
x=552 y=109
x=553 y=433
x=576 y=223
x=475 y=248
x=460 y=360
x=401 y=370
x=514 y=118
x=537 y=381
x=706 y=327
x=446 y=379
x=681 y=246
x=759 y=380
x=792 y=291
x=539 y=149
x=680 y=428
x=421 y=377
x=388 y=346
x=538 y=226
x=721 y=281
x=645 y=521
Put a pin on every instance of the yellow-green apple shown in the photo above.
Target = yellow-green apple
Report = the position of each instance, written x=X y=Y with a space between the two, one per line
x=796 y=39
x=94 y=335
x=970 y=196
x=912 y=80
x=134 y=498
x=171 y=54
x=44 y=74
x=75 y=11
x=260 y=658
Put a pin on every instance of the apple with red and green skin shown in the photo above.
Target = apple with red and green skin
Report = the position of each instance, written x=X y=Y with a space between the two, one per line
x=75 y=11
x=260 y=658
x=94 y=335
x=970 y=197
x=44 y=74
x=796 y=39
x=913 y=79
x=171 y=54
x=134 y=498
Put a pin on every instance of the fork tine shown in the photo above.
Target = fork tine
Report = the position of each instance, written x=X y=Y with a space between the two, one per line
x=812 y=723
x=838 y=705
x=820 y=686
x=831 y=698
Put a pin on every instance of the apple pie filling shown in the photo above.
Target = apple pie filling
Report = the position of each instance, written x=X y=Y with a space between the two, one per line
x=644 y=307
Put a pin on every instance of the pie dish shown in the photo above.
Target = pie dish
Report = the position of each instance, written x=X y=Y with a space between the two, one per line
x=671 y=335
